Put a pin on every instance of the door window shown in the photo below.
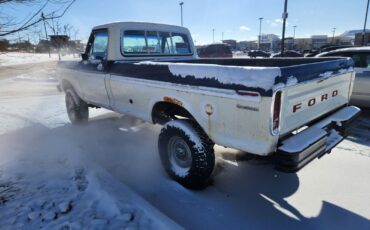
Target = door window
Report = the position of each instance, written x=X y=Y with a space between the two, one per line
x=100 y=46
x=180 y=44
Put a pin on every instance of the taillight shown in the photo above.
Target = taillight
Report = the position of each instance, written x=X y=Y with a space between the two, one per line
x=247 y=93
x=276 y=113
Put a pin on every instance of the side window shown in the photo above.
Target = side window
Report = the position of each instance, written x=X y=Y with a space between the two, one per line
x=99 y=46
x=134 y=42
x=180 y=44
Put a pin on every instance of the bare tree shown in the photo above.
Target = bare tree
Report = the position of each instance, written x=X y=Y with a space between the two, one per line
x=10 y=24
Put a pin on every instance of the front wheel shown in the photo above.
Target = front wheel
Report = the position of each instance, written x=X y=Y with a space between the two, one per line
x=186 y=153
x=77 y=109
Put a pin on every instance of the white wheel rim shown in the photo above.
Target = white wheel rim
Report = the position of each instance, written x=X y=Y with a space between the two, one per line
x=179 y=155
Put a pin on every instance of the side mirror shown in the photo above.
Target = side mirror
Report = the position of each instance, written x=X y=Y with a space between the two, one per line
x=84 y=56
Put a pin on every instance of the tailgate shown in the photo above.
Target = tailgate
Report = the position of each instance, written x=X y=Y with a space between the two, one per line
x=316 y=96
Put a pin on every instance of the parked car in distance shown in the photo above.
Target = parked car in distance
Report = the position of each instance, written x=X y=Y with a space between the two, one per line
x=289 y=53
x=258 y=53
x=311 y=53
x=215 y=51
x=361 y=58
x=331 y=48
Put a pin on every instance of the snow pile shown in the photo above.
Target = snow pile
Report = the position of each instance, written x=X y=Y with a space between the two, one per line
x=47 y=189
x=290 y=82
x=326 y=74
x=254 y=77
x=16 y=58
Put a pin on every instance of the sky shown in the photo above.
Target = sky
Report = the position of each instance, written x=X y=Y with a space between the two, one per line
x=236 y=19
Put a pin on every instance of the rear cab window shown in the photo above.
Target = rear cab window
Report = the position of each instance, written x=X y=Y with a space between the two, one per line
x=154 y=43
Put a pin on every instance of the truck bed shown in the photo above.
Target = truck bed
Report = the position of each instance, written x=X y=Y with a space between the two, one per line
x=259 y=75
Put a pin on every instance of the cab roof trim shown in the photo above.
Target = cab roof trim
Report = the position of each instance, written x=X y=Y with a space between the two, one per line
x=140 y=24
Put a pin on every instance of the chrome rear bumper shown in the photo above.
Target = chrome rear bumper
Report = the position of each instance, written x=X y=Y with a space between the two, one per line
x=320 y=138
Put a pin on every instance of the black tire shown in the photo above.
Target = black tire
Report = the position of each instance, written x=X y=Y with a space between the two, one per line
x=77 y=109
x=189 y=140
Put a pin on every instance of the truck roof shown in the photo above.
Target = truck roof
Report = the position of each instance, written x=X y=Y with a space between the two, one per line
x=142 y=25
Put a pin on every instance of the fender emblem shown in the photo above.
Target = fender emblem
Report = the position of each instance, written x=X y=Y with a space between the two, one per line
x=247 y=108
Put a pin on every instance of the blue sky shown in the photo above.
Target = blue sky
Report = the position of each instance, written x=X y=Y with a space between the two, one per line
x=238 y=19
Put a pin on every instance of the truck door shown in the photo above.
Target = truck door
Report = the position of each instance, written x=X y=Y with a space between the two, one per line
x=93 y=74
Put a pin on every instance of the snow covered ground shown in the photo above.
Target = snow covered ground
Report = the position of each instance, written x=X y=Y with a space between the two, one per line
x=56 y=175
x=16 y=58
x=45 y=182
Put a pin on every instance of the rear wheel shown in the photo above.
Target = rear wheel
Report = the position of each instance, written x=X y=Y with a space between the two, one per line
x=77 y=109
x=186 y=153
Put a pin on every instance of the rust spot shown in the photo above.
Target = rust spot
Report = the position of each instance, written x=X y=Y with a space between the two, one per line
x=172 y=100
x=209 y=126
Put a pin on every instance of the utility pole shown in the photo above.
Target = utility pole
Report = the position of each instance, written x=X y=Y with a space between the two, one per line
x=213 y=35
x=332 y=41
x=285 y=16
x=222 y=38
x=46 y=33
x=364 y=31
x=181 y=4
x=294 y=27
x=259 y=36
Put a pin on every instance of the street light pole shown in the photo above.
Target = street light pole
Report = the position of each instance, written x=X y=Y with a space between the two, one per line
x=259 y=36
x=182 y=20
x=332 y=41
x=294 y=27
x=285 y=16
x=213 y=35
x=363 y=32
x=46 y=33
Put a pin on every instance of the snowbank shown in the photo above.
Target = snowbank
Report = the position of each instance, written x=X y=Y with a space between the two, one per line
x=46 y=189
x=16 y=58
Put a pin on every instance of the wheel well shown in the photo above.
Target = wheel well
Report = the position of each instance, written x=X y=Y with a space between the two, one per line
x=66 y=85
x=163 y=112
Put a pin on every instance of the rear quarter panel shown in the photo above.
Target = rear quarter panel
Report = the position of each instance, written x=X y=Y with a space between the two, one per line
x=236 y=121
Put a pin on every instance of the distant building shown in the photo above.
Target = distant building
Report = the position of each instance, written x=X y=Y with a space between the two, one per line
x=288 y=43
x=318 y=40
x=302 y=44
x=353 y=33
x=4 y=44
x=246 y=45
x=358 y=39
x=43 y=46
x=269 y=42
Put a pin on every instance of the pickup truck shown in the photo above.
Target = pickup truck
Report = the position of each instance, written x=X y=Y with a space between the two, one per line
x=294 y=110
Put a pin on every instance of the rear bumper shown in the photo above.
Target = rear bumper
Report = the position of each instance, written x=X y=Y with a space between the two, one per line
x=320 y=138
